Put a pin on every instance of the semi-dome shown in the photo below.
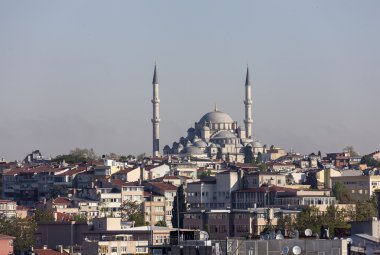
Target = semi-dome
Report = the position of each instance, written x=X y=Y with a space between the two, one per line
x=216 y=117
x=224 y=134
x=193 y=150
x=200 y=144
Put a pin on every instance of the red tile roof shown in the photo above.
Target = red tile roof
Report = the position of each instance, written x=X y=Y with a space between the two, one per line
x=163 y=185
x=126 y=170
x=47 y=252
x=61 y=200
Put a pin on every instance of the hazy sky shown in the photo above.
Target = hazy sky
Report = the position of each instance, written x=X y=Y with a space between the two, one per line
x=78 y=73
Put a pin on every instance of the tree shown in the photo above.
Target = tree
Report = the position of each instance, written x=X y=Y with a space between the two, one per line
x=76 y=156
x=161 y=223
x=138 y=219
x=57 y=190
x=369 y=161
x=43 y=216
x=182 y=208
x=366 y=210
x=263 y=167
x=128 y=209
x=350 y=149
x=204 y=174
x=311 y=179
x=248 y=155
x=80 y=218
x=341 y=193
x=22 y=229
x=286 y=223
x=308 y=218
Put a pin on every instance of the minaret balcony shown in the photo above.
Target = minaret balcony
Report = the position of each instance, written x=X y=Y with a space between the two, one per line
x=155 y=101
x=247 y=102
x=156 y=120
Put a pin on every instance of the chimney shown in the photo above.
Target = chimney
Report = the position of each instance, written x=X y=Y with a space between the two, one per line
x=59 y=248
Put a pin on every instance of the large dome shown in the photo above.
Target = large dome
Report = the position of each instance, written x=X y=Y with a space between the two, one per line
x=216 y=117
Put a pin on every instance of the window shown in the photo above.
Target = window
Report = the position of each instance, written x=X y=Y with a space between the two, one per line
x=159 y=208
x=113 y=249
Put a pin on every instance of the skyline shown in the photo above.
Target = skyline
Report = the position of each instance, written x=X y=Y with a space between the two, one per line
x=79 y=75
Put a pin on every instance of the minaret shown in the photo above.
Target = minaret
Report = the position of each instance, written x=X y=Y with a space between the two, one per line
x=248 y=106
x=156 y=115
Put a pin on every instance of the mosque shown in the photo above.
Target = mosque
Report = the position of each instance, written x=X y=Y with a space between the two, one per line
x=215 y=135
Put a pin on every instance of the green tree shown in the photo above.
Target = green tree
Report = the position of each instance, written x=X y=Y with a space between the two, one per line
x=341 y=193
x=248 y=155
x=182 y=207
x=366 y=210
x=128 y=209
x=138 y=218
x=286 y=223
x=309 y=218
x=57 y=190
x=369 y=161
x=80 y=218
x=43 y=215
x=334 y=218
x=22 y=229
x=263 y=167
x=204 y=174
x=311 y=179
x=161 y=223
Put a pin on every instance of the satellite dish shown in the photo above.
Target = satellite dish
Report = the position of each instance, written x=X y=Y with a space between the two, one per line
x=285 y=250
x=296 y=250
x=308 y=232
x=349 y=240
x=279 y=237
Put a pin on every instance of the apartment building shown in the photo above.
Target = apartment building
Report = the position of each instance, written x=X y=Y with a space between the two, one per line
x=8 y=208
x=221 y=224
x=360 y=187
x=154 y=209
x=115 y=245
x=214 y=192
x=168 y=191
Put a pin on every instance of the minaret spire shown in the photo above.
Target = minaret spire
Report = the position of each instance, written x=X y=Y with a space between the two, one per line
x=156 y=114
x=248 y=106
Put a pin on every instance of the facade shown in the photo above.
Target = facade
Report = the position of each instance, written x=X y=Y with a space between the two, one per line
x=115 y=245
x=359 y=187
x=6 y=244
x=8 y=208
x=220 y=224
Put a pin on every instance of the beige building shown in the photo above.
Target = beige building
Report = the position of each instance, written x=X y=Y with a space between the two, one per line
x=115 y=245
x=154 y=209
x=359 y=187
x=324 y=177
x=8 y=208
x=258 y=179
x=168 y=191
